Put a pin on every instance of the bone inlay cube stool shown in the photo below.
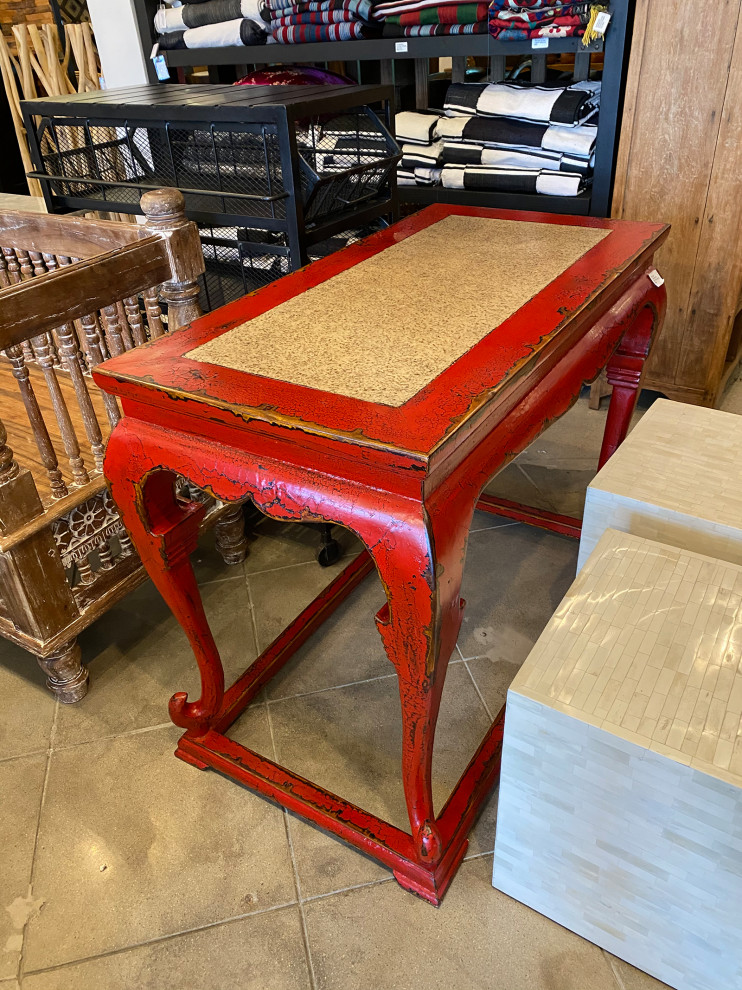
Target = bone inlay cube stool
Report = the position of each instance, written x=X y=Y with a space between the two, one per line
x=620 y=807
x=674 y=480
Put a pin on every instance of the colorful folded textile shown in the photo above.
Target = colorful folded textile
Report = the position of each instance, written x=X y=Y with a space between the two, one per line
x=280 y=8
x=395 y=8
x=509 y=132
x=210 y=12
x=432 y=30
x=239 y=32
x=306 y=33
x=547 y=104
x=314 y=17
x=446 y=13
x=560 y=20
x=416 y=127
x=511 y=180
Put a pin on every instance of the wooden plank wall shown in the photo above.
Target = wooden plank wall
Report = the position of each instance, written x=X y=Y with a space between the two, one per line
x=679 y=160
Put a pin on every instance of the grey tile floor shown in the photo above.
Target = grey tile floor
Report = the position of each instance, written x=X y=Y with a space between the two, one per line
x=122 y=867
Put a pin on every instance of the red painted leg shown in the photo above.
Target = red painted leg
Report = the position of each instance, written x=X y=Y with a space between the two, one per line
x=165 y=533
x=420 y=562
x=624 y=370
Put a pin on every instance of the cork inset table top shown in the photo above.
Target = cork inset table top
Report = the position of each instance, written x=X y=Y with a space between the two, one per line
x=383 y=329
x=647 y=645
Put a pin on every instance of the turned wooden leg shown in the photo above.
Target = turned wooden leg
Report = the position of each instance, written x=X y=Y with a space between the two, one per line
x=65 y=674
x=624 y=370
x=231 y=541
x=165 y=532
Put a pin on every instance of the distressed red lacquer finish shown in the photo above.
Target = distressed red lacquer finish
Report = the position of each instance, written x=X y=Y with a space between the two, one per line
x=405 y=479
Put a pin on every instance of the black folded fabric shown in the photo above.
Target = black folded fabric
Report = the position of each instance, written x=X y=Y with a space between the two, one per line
x=251 y=33
x=462 y=97
x=504 y=130
x=171 y=42
x=211 y=12
x=461 y=154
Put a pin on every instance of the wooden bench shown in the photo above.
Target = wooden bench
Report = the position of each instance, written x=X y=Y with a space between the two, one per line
x=73 y=292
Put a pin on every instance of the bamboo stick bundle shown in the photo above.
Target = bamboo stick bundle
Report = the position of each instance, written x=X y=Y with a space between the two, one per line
x=40 y=66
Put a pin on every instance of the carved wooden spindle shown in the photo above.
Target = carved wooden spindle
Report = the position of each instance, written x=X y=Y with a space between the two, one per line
x=154 y=313
x=8 y=466
x=53 y=263
x=165 y=213
x=69 y=350
x=112 y=324
x=95 y=347
x=13 y=272
x=25 y=263
x=72 y=447
x=126 y=336
x=36 y=419
x=36 y=263
x=127 y=547
x=104 y=553
x=134 y=319
x=84 y=570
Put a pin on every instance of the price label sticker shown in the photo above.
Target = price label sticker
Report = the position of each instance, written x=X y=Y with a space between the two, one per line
x=155 y=50
x=601 y=23
x=655 y=277
x=400 y=46
x=540 y=43
x=160 y=67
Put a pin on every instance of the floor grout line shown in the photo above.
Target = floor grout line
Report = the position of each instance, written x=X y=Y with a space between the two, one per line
x=481 y=696
x=301 y=563
x=295 y=870
x=23 y=756
x=234 y=919
x=32 y=877
x=345 y=890
x=113 y=735
x=488 y=529
x=332 y=687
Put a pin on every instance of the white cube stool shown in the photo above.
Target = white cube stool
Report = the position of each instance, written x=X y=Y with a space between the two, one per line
x=620 y=806
x=675 y=479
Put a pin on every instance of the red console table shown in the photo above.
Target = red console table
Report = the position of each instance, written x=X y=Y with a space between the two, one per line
x=378 y=389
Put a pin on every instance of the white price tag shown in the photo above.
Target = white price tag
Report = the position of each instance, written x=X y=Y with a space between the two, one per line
x=540 y=43
x=655 y=277
x=601 y=23
x=400 y=46
x=155 y=49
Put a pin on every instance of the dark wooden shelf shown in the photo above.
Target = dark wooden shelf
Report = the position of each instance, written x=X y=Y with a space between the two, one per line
x=533 y=203
x=376 y=48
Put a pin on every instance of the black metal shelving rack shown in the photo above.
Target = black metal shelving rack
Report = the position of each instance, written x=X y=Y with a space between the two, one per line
x=393 y=54
x=284 y=169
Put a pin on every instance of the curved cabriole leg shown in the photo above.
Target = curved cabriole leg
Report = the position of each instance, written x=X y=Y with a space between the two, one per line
x=65 y=675
x=421 y=564
x=165 y=532
x=624 y=371
x=229 y=532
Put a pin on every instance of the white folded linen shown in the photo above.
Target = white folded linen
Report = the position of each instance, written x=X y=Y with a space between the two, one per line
x=571 y=140
x=415 y=128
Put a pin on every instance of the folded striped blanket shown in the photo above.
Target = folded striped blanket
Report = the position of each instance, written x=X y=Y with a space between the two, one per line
x=192 y=15
x=427 y=176
x=280 y=8
x=406 y=177
x=446 y=13
x=416 y=127
x=431 y=30
x=306 y=33
x=511 y=180
x=520 y=5
x=421 y=155
x=559 y=28
x=547 y=104
x=508 y=132
x=533 y=16
x=394 y=8
x=242 y=31
x=509 y=157
x=314 y=17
